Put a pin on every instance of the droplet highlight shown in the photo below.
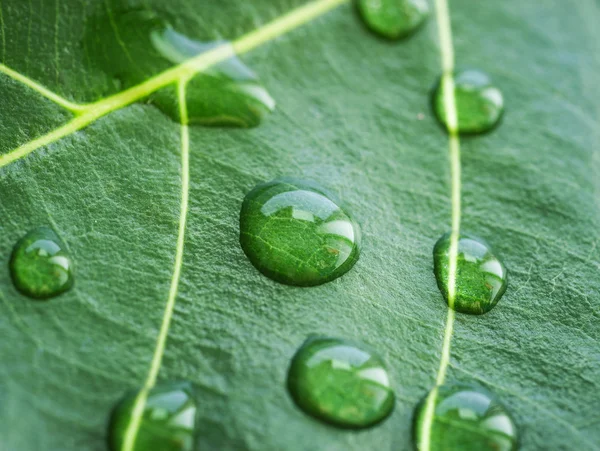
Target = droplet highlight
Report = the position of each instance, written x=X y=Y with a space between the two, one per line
x=479 y=104
x=393 y=19
x=464 y=418
x=40 y=265
x=167 y=423
x=293 y=232
x=481 y=278
x=340 y=382
x=145 y=44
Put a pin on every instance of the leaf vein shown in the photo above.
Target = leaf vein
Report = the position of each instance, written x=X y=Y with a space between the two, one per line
x=447 y=54
x=140 y=402
x=91 y=112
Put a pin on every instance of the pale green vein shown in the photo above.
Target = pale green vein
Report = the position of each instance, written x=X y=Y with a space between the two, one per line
x=91 y=112
x=447 y=54
x=140 y=401
x=66 y=104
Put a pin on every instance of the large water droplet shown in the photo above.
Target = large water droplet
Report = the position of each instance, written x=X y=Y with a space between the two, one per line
x=340 y=382
x=167 y=423
x=40 y=265
x=479 y=104
x=293 y=232
x=135 y=45
x=481 y=278
x=393 y=19
x=466 y=419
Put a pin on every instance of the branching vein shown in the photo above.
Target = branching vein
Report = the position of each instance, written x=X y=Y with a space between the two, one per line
x=180 y=75
x=86 y=114
x=68 y=105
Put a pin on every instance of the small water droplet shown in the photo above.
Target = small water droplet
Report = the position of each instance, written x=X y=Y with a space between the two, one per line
x=293 y=232
x=479 y=104
x=40 y=265
x=167 y=423
x=393 y=19
x=481 y=278
x=340 y=382
x=135 y=45
x=465 y=418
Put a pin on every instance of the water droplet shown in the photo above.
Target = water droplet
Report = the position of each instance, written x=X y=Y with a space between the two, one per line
x=479 y=104
x=464 y=418
x=340 y=382
x=293 y=232
x=40 y=265
x=481 y=278
x=135 y=45
x=393 y=19
x=167 y=423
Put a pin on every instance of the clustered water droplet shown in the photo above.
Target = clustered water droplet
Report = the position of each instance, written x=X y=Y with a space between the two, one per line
x=293 y=232
x=167 y=422
x=226 y=94
x=479 y=104
x=393 y=19
x=340 y=382
x=40 y=265
x=464 y=418
x=480 y=279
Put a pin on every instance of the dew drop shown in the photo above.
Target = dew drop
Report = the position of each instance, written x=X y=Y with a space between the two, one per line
x=167 y=423
x=340 y=382
x=464 y=418
x=293 y=232
x=481 y=278
x=393 y=19
x=40 y=265
x=145 y=43
x=479 y=104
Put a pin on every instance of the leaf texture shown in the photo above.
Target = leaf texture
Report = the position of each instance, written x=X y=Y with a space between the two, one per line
x=353 y=114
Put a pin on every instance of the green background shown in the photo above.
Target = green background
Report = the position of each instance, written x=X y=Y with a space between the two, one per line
x=348 y=117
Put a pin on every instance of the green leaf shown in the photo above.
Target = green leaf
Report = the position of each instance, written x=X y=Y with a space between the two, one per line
x=352 y=114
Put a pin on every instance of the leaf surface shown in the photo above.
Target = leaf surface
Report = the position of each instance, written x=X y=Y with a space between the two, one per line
x=353 y=114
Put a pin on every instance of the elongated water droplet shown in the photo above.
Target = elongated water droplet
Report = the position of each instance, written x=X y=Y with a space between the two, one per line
x=40 y=265
x=293 y=232
x=464 y=418
x=340 y=382
x=167 y=423
x=481 y=278
x=144 y=44
x=479 y=104
x=393 y=19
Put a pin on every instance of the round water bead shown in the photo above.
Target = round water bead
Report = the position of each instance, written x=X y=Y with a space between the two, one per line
x=480 y=280
x=226 y=94
x=464 y=418
x=40 y=265
x=479 y=104
x=393 y=19
x=293 y=232
x=167 y=423
x=340 y=382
